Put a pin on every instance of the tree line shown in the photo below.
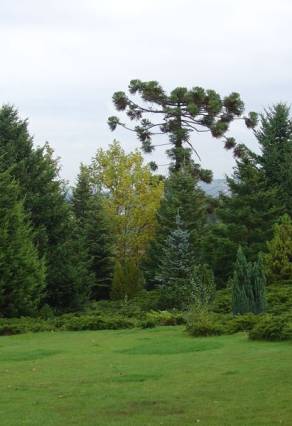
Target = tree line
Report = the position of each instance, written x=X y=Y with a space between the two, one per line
x=124 y=228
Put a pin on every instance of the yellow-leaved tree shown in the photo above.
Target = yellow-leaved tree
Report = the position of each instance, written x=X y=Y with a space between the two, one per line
x=132 y=198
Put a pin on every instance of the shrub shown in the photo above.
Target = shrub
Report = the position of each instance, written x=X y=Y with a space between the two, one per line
x=127 y=281
x=163 y=318
x=200 y=322
x=222 y=303
x=136 y=307
x=146 y=300
x=148 y=323
x=203 y=285
x=240 y=323
x=10 y=329
x=93 y=322
x=271 y=328
x=279 y=299
x=23 y=325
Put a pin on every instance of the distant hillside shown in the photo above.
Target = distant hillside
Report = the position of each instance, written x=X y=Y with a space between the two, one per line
x=214 y=188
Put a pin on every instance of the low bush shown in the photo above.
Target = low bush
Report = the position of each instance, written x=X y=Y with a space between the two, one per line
x=23 y=325
x=136 y=307
x=272 y=328
x=203 y=323
x=155 y=318
x=222 y=303
x=279 y=298
x=240 y=323
x=71 y=322
x=102 y=319
x=9 y=328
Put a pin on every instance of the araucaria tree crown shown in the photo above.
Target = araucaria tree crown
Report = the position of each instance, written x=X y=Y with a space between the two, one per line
x=177 y=115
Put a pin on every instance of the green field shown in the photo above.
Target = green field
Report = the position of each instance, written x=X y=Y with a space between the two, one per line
x=157 y=376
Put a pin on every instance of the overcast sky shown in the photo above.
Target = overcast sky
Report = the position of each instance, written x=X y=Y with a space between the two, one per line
x=61 y=61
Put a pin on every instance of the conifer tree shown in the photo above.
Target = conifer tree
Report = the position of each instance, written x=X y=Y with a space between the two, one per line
x=95 y=229
x=248 y=286
x=258 y=279
x=82 y=194
x=22 y=272
x=127 y=280
x=259 y=193
x=275 y=139
x=134 y=278
x=73 y=277
x=118 y=290
x=178 y=115
x=175 y=268
x=242 y=296
x=45 y=201
x=278 y=260
x=203 y=285
x=181 y=192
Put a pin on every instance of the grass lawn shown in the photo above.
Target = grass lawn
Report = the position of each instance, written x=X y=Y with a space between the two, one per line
x=153 y=377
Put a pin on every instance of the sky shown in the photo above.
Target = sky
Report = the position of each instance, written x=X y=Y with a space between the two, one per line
x=61 y=62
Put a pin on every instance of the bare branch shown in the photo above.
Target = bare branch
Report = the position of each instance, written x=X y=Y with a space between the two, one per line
x=195 y=151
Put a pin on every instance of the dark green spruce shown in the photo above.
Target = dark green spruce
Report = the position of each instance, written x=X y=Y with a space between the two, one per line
x=22 y=272
x=95 y=231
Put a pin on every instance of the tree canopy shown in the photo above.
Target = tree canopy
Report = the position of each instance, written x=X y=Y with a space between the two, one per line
x=177 y=115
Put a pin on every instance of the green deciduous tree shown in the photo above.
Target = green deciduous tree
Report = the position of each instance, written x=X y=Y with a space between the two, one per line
x=177 y=115
x=132 y=196
x=22 y=272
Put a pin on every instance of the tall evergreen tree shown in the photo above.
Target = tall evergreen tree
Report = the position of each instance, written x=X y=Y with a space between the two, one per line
x=258 y=278
x=175 y=268
x=178 y=115
x=82 y=195
x=181 y=192
x=242 y=301
x=37 y=173
x=248 y=286
x=275 y=140
x=260 y=192
x=95 y=229
x=22 y=272
x=71 y=288
x=245 y=217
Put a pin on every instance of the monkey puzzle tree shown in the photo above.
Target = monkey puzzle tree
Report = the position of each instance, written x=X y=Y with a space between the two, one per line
x=177 y=115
